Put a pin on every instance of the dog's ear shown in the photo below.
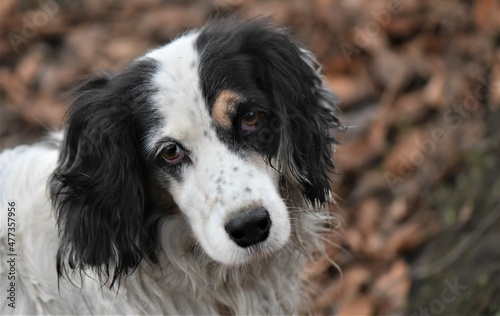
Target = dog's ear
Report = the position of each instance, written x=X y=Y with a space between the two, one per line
x=303 y=106
x=98 y=186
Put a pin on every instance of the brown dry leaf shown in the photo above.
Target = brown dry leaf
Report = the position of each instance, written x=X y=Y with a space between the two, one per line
x=472 y=131
x=315 y=269
x=29 y=66
x=388 y=68
x=494 y=87
x=405 y=156
x=344 y=87
x=282 y=11
x=368 y=216
x=165 y=23
x=56 y=26
x=369 y=182
x=397 y=211
x=121 y=50
x=484 y=13
x=392 y=288
x=442 y=158
x=404 y=26
x=434 y=91
x=11 y=85
x=132 y=7
x=352 y=89
x=404 y=238
x=346 y=288
x=327 y=298
x=228 y=4
x=354 y=239
x=353 y=279
x=408 y=108
x=374 y=245
x=45 y=111
x=355 y=155
x=360 y=306
x=77 y=41
x=6 y=8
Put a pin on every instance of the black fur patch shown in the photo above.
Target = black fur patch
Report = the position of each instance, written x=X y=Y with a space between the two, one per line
x=267 y=67
x=98 y=188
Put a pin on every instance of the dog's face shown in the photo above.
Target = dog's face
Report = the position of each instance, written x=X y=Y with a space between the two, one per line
x=213 y=127
x=208 y=155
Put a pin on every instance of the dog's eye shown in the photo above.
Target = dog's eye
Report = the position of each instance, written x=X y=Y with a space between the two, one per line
x=250 y=120
x=173 y=154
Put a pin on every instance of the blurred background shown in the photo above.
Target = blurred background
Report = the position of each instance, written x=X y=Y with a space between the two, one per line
x=418 y=171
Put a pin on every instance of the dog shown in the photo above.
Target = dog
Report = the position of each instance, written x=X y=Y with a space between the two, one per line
x=194 y=182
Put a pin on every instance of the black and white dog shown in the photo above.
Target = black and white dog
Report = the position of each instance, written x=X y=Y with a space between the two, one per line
x=194 y=182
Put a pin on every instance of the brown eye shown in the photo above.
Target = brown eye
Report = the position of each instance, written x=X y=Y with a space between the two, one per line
x=250 y=121
x=173 y=154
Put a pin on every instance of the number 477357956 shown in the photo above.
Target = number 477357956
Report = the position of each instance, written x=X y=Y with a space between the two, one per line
x=11 y=226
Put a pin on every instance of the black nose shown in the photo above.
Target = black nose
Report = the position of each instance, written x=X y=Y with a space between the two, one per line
x=249 y=228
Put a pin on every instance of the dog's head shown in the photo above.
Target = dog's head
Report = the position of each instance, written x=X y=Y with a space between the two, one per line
x=213 y=128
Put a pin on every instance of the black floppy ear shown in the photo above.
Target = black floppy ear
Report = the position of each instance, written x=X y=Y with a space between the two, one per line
x=98 y=186
x=303 y=106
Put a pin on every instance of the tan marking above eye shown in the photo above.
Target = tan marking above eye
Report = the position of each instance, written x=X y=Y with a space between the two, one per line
x=224 y=106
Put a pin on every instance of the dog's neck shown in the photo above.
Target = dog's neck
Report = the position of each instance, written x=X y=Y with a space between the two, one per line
x=257 y=286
